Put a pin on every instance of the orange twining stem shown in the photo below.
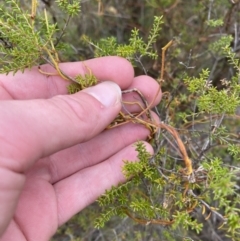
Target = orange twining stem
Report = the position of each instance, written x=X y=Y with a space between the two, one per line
x=187 y=160
x=152 y=221
x=192 y=207
x=161 y=77
x=163 y=59
x=174 y=133
x=34 y=10
x=171 y=130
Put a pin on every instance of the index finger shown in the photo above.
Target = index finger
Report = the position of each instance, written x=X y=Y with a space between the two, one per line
x=33 y=85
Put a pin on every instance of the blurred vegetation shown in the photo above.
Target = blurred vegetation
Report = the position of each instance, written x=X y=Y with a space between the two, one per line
x=200 y=99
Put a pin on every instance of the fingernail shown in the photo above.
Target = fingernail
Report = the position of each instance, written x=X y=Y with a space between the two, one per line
x=107 y=92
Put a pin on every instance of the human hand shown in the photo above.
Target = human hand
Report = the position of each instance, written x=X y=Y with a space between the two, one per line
x=56 y=157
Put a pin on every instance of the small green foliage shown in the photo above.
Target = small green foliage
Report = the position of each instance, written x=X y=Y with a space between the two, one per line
x=232 y=58
x=133 y=51
x=72 y=8
x=27 y=37
x=220 y=102
x=234 y=151
x=220 y=180
x=117 y=195
x=141 y=198
x=145 y=205
x=73 y=88
x=106 y=216
x=221 y=135
x=211 y=100
x=217 y=46
x=215 y=23
x=221 y=184
x=82 y=82
x=153 y=34
x=21 y=46
x=183 y=219
x=198 y=85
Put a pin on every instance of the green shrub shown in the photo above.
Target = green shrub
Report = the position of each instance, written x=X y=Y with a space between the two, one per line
x=189 y=189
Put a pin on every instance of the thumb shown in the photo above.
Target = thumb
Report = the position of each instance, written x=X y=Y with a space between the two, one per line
x=33 y=129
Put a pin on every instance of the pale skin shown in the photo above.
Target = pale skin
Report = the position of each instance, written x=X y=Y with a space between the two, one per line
x=56 y=156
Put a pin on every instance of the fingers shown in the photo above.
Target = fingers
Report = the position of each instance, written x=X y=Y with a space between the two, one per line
x=10 y=190
x=66 y=162
x=34 y=129
x=83 y=187
x=32 y=84
x=96 y=150
x=63 y=121
x=148 y=88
